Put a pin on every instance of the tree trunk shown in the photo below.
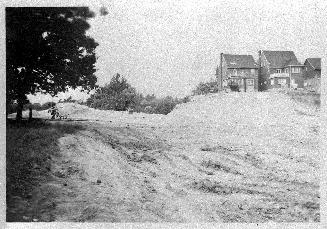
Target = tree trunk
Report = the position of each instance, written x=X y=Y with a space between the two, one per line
x=19 y=114
x=30 y=114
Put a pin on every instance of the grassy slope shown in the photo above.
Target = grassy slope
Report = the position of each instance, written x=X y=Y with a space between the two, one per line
x=31 y=147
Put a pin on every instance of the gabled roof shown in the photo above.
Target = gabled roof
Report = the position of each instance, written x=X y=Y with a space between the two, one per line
x=280 y=59
x=315 y=63
x=239 y=61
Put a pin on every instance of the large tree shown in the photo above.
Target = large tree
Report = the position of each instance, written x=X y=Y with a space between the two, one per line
x=48 y=51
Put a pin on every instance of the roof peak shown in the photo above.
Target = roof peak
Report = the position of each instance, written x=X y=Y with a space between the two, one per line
x=277 y=51
x=315 y=62
x=280 y=59
x=239 y=61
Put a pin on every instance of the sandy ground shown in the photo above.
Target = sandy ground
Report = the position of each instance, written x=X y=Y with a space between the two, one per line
x=237 y=157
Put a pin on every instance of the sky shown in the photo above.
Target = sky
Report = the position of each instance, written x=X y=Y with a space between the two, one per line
x=167 y=47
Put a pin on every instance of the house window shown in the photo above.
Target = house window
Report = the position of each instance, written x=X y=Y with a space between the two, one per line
x=295 y=70
x=272 y=82
x=279 y=71
x=282 y=81
x=286 y=70
x=234 y=72
x=250 y=82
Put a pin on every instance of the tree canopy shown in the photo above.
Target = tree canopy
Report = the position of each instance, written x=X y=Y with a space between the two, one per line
x=48 y=50
x=118 y=95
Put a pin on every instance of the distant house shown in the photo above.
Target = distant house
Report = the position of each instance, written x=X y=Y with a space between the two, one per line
x=279 y=69
x=312 y=74
x=238 y=69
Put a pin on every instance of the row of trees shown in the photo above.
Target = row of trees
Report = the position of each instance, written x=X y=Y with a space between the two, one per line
x=119 y=95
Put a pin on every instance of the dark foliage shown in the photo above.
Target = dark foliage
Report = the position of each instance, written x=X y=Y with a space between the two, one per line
x=234 y=86
x=118 y=95
x=47 y=51
x=206 y=88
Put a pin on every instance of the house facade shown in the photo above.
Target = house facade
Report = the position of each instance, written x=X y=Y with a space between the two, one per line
x=279 y=69
x=237 y=69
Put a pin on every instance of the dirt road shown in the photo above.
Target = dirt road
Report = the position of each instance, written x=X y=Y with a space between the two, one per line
x=188 y=169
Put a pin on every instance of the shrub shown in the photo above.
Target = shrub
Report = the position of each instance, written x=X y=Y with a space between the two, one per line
x=206 y=88
x=121 y=96
x=36 y=106
x=117 y=95
x=148 y=109
x=11 y=108
x=164 y=106
x=234 y=86
x=47 y=105
x=309 y=98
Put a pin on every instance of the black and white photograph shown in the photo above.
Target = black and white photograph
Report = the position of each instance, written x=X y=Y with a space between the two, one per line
x=153 y=111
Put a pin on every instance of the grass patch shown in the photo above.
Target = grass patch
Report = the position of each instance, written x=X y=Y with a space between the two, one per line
x=30 y=147
x=306 y=97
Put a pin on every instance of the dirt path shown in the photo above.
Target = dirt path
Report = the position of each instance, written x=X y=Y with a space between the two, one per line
x=208 y=169
x=115 y=173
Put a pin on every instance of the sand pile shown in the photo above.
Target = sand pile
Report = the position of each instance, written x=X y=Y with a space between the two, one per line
x=248 y=108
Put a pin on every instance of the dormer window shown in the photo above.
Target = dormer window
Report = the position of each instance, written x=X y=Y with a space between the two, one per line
x=278 y=70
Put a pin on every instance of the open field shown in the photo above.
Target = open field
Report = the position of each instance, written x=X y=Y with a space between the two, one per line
x=234 y=157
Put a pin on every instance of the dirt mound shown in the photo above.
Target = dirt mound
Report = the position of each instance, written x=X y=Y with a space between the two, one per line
x=235 y=107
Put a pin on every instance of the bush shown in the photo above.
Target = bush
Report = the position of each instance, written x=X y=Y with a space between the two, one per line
x=234 y=86
x=306 y=97
x=121 y=96
x=11 y=108
x=36 y=106
x=206 y=88
x=47 y=105
x=117 y=95
x=165 y=105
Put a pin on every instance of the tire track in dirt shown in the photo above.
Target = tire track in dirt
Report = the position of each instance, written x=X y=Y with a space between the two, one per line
x=109 y=174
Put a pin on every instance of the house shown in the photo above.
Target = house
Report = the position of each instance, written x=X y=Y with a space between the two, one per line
x=238 y=69
x=312 y=74
x=279 y=69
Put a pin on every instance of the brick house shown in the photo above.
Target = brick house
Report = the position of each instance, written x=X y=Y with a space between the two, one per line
x=279 y=69
x=312 y=74
x=240 y=69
